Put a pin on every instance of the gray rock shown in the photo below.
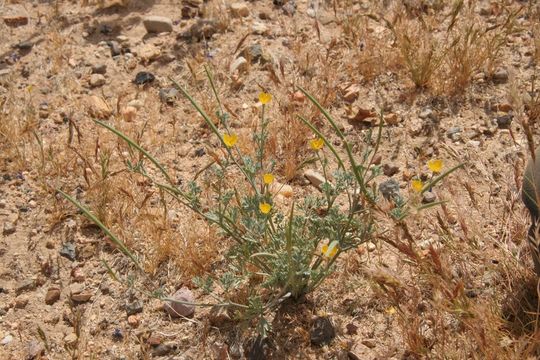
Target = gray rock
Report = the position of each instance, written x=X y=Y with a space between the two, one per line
x=315 y=178
x=389 y=188
x=504 y=121
x=162 y=350
x=428 y=197
x=134 y=307
x=34 y=349
x=168 y=95
x=253 y=53
x=428 y=113
x=25 y=285
x=69 y=251
x=157 y=24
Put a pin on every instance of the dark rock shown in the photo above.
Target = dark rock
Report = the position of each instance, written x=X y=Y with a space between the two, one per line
x=117 y=334
x=390 y=170
x=134 y=307
x=99 y=69
x=24 y=45
x=323 y=331
x=69 y=251
x=115 y=48
x=500 y=76
x=389 y=188
x=143 y=78
x=504 y=121
x=200 y=152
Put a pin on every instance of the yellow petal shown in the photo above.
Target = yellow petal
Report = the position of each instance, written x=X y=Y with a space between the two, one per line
x=316 y=144
x=417 y=185
x=230 y=139
x=391 y=310
x=331 y=251
x=265 y=207
x=265 y=98
x=435 y=165
x=268 y=178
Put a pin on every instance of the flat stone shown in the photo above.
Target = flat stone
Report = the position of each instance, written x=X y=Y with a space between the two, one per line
x=428 y=197
x=21 y=301
x=157 y=24
x=259 y=28
x=315 y=178
x=69 y=251
x=16 y=20
x=25 y=285
x=98 y=107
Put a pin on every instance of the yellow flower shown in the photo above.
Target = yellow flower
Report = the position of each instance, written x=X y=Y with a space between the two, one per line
x=230 y=139
x=330 y=251
x=435 y=165
x=316 y=144
x=265 y=208
x=417 y=185
x=265 y=98
x=391 y=310
x=268 y=179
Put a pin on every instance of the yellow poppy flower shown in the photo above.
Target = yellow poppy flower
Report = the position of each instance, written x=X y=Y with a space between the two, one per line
x=435 y=165
x=265 y=98
x=265 y=208
x=417 y=185
x=316 y=144
x=329 y=251
x=268 y=178
x=391 y=310
x=230 y=139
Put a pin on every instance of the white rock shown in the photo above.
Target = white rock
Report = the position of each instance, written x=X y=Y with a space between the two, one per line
x=6 y=340
x=157 y=24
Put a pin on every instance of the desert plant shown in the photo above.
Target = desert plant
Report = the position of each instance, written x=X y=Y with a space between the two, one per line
x=279 y=252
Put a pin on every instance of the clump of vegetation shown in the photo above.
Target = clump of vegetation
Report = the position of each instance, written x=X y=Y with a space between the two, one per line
x=279 y=252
